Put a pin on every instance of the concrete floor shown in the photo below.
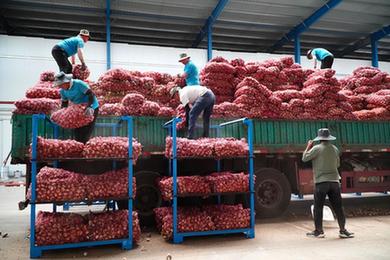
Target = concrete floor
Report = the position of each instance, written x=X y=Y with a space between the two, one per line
x=282 y=238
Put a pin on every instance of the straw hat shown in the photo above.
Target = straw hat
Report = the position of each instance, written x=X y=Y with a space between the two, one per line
x=84 y=32
x=183 y=56
x=324 y=135
x=61 y=78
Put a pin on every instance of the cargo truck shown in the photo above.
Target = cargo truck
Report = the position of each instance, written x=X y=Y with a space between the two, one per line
x=278 y=144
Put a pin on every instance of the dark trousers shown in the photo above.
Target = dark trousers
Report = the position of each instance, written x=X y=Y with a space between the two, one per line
x=203 y=103
x=332 y=189
x=327 y=62
x=62 y=60
x=82 y=134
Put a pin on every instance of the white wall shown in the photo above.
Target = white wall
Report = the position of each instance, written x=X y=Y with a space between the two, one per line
x=22 y=59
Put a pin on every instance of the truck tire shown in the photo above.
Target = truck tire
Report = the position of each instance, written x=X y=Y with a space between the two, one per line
x=148 y=196
x=272 y=193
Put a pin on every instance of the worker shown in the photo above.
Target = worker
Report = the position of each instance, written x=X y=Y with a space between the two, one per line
x=322 y=55
x=325 y=158
x=68 y=48
x=78 y=92
x=191 y=73
x=196 y=99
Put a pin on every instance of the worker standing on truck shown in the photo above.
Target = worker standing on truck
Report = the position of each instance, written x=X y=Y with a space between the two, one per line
x=78 y=92
x=191 y=73
x=325 y=158
x=68 y=48
x=196 y=99
x=323 y=55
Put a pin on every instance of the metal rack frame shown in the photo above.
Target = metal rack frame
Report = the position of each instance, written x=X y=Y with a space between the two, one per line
x=126 y=243
x=178 y=237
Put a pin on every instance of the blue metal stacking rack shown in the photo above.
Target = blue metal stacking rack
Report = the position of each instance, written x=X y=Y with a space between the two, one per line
x=178 y=237
x=110 y=204
x=126 y=243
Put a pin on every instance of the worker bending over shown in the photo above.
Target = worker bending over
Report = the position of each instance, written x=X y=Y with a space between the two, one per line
x=322 y=55
x=191 y=73
x=78 y=92
x=196 y=99
x=68 y=48
x=325 y=158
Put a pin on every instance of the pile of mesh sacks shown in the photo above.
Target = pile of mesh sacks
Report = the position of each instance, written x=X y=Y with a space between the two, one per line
x=124 y=92
x=272 y=89
x=40 y=98
x=368 y=91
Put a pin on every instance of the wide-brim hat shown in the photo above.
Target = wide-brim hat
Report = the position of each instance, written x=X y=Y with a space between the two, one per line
x=61 y=78
x=85 y=32
x=324 y=135
x=184 y=56
x=309 y=52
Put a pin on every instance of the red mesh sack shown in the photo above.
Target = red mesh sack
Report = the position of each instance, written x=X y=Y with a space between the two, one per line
x=47 y=76
x=36 y=105
x=54 y=148
x=43 y=92
x=72 y=117
x=149 y=108
x=79 y=73
x=115 y=109
x=60 y=228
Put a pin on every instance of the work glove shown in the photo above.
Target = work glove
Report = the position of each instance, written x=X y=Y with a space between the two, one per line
x=89 y=111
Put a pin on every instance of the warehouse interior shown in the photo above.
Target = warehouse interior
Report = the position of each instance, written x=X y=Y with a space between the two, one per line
x=269 y=100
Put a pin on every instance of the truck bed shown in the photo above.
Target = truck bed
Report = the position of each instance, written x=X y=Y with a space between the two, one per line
x=270 y=136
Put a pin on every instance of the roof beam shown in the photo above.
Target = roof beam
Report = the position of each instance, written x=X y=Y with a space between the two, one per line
x=51 y=7
x=5 y=25
x=91 y=11
x=376 y=36
x=303 y=26
x=365 y=41
x=210 y=21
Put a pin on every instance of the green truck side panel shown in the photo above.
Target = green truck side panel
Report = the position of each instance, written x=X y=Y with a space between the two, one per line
x=269 y=135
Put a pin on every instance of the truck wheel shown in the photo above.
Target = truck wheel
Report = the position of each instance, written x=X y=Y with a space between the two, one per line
x=272 y=193
x=148 y=196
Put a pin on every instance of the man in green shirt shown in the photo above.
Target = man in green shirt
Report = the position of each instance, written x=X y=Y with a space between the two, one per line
x=325 y=158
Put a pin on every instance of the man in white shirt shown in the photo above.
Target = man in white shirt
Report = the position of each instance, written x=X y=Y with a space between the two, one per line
x=196 y=99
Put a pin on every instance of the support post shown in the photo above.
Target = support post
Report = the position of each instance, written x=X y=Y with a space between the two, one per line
x=297 y=49
x=209 y=41
x=108 y=33
x=129 y=243
x=303 y=26
x=249 y=124
x=209 y=22
x=374 y=52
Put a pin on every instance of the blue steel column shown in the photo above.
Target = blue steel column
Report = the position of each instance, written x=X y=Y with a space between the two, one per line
x=128 y=244
x=303 y=26
x=210 y=21
x=176 y=237
x=374 y=52
x=209 y=41
x=297 y=49
x=34 y=251
x=108 y=33
x=55 y=163
x=249 y=124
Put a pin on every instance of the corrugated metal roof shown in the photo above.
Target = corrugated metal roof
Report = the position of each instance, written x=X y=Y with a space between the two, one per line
x=244 y=25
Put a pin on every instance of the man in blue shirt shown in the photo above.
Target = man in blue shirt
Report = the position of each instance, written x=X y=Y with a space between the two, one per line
x=191 y=73
x=68 y=48
x=78 y=92
x=322 y=55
